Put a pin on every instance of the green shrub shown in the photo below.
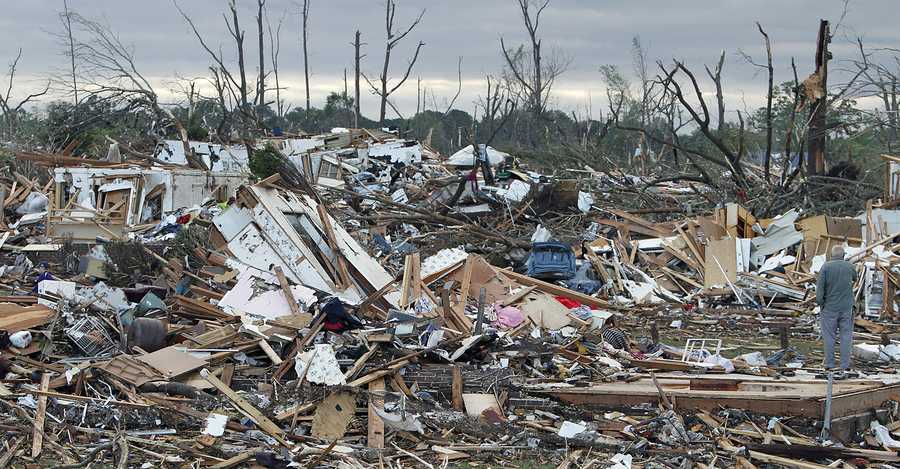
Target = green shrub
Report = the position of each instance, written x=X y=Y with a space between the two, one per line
x=265 y=162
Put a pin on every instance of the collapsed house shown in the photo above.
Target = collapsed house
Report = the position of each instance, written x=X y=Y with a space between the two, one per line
x=271 y=228
x=108 y=202
x=216 y=157
x=405 y=309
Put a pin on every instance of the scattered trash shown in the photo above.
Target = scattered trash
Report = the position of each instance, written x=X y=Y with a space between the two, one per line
x=373 y=302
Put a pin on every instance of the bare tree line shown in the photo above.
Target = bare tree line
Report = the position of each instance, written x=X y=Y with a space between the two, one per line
x=669 y=101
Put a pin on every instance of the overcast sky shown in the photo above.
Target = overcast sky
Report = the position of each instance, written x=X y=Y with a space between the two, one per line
x=591 y=32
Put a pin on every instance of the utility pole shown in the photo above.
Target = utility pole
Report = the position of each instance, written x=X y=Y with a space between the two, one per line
x=305 y=17
x=356 y=46
x=817 y=135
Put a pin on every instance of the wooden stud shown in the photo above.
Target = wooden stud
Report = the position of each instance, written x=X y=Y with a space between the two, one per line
x=288 y=293
x=457 y=389
x=376 y=425
x=227 y=374
x=261 y=420
x=343 y=274
x=276 y=360
x=38 y=434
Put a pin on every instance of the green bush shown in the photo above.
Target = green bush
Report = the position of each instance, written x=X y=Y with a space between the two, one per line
x=265 y=162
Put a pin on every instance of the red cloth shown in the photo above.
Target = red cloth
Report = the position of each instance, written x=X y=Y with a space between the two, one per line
x=184 y=219
x=570 y=303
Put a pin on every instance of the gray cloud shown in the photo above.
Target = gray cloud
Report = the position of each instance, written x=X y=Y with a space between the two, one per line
x=591 y=32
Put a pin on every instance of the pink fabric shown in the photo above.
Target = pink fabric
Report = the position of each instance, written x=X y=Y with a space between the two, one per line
x=508 y=316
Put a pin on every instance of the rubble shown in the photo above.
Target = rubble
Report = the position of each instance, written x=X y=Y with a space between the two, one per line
x=373 y=304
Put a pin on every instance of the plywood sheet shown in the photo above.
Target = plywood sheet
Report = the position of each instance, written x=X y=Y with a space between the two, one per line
x=333 y=415
x=14 y=318
x=476 y=404
x=725 y=251
x=845 y=227
x=172 y=362
x=544 y=310
x=132 y=371
x=711 y=229
x=496 y=287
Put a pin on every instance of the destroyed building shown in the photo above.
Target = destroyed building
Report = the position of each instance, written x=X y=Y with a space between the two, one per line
x=375 y=304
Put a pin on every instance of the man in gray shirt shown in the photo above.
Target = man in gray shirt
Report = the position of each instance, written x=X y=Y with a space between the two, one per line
x=834 y=295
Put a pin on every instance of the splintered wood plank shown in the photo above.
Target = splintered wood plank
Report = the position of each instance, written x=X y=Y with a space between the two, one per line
x=416 y=276
x=552 y=289
x=787 y=462
x=13 y=449
x=466 y=283
x=404 y=285
x=235 y=460
x=512 y=299
x=343 y=273
x=457 y=388
x=38 y=435
x=376 y=425
x=411 y=288
x=361 y=362
x=261 y=420
x=267 y=349
x=288 y=294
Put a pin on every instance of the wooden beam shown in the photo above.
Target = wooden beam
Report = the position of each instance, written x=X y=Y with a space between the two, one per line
x=351 y=373
x=343 y=274
x=261 y=420
x=235 y=460
x=376 y=425
x=466 y=284
x=276 y=360
x=38 y=435
x=288 y=293
x=314 y=329
x=553 y=289
x=512 y=299
x=73 y=397
x=787 y=462
x=457 y=389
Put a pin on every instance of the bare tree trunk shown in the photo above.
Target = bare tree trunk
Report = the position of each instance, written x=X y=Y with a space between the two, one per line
x=346 y=89
x=382 y=110
x=356 y=59
x=799 y=102
x=305 y=13
x=238 y=35
x=9 y=111
x=418 y=94
x=893 y=110
x=261 y=83
x=716 y=77
x=769 y=93
x=391 y=42
x=535 y=78
x=275 y=50
x=817 y=135
x=68 y=26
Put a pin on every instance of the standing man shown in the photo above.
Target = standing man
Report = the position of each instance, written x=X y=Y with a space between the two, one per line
x=834 y=295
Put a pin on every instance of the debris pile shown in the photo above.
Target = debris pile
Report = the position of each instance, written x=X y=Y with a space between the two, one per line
x=373 y=304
